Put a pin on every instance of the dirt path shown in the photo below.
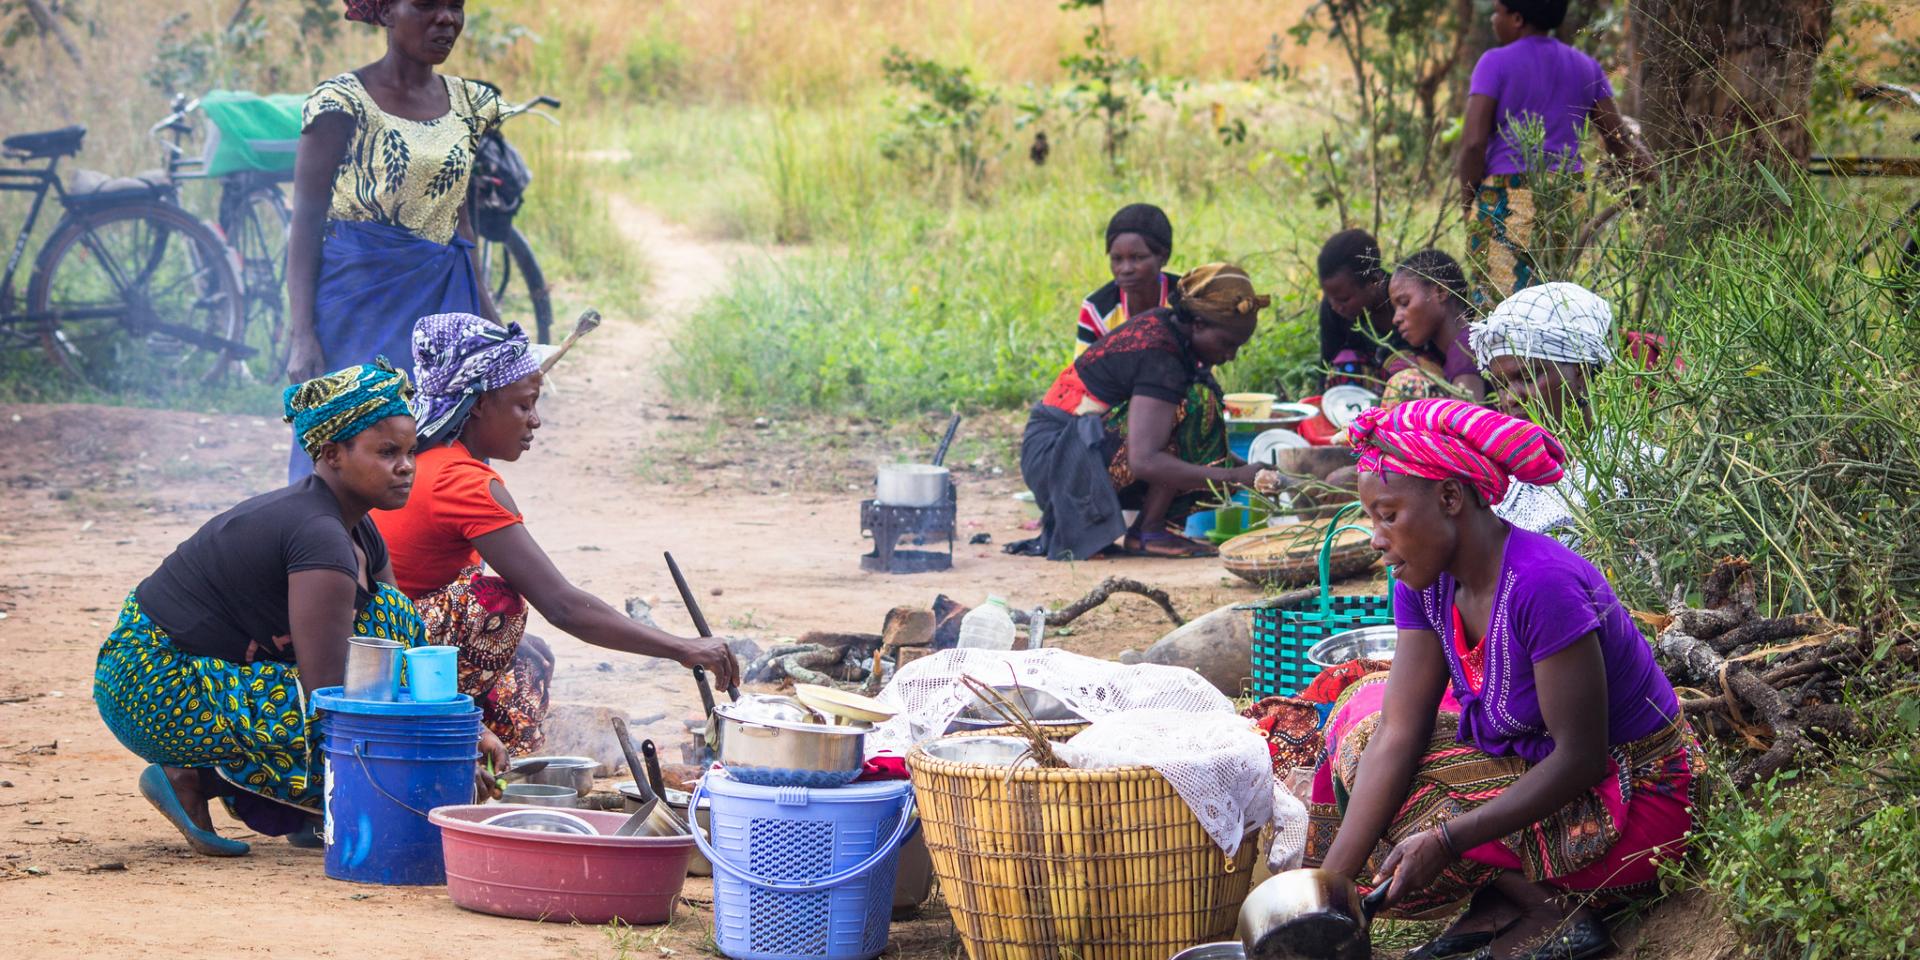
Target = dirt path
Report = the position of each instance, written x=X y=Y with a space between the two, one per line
x=97 y=496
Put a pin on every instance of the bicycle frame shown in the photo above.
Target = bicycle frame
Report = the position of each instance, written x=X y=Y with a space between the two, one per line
x=39 y=182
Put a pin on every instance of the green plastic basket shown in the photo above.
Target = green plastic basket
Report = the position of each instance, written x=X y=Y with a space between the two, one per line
x=1284 y=632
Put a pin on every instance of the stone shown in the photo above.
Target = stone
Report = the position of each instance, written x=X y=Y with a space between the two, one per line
x=1218 y=646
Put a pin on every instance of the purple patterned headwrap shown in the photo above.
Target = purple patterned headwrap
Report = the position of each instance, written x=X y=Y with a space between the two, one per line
x=456 y=358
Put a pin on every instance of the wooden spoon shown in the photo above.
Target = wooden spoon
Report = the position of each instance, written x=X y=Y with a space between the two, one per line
x=589 y=319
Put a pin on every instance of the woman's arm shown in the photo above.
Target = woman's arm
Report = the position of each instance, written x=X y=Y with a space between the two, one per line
x=1414 y=689
x=465 y=229
x=316 y=161
x=1621 y=144
x=511 y=550
x=1477 y=131
x=1474 y=385
x=320 y=612
x=1149 y=429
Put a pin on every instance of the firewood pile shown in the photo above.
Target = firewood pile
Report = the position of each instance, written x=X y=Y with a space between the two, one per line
x=1777 y=685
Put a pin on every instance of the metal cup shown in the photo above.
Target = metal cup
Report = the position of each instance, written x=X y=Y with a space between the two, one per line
x=373 y=669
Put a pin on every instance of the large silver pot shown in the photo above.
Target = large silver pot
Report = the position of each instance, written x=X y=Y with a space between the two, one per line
x=911 y=485
x=782 y=753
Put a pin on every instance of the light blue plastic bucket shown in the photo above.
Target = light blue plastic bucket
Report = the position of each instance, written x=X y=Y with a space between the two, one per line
x=387 y=765
x=801 y=873
x=432 y=673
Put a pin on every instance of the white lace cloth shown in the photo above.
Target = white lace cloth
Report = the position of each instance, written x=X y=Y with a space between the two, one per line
x=928 y=694
x=1168 y=718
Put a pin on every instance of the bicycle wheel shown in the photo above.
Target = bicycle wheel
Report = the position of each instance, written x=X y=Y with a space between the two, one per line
x=510 y=272
x=141 y=293
x=256 y=221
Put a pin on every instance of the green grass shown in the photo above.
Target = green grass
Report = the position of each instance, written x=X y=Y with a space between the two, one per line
x=909 y=296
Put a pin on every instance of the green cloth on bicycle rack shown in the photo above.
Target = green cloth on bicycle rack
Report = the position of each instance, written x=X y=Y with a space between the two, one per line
x=250 y=132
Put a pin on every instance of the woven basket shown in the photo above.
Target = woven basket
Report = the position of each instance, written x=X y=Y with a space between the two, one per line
x=1289 y=555
x=1040 y=864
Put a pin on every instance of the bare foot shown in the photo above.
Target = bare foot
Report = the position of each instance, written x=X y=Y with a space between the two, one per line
x=1543 y=916
x=190 y=786
x=1489 y=913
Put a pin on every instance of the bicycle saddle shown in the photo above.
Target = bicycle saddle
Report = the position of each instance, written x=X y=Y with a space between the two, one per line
x=64 y=142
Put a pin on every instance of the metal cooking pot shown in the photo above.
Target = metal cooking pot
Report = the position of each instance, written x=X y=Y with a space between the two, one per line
x=575 y=772
x=780 y=753
x=540 y=795
x=1043 y=708
x=911 y=485
x=1225 y=950
x=1308 y=914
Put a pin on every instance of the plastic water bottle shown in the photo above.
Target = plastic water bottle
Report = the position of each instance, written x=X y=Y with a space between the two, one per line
x=988 y=626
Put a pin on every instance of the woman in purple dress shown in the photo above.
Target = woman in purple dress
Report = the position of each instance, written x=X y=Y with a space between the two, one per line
x=1525 y=756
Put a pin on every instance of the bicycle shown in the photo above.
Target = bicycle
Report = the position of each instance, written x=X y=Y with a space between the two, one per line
x=494 y=194
x=254 y=222
x=128 y=287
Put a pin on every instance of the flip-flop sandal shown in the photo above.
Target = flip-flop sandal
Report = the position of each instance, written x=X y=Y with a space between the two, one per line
x=159 y=792
x=1189 y=550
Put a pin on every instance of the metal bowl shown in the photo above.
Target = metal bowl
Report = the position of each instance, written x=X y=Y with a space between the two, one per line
x=1369 y=643
x=575 y=772
x=986 y=751
x=542 y=821
x=540 y=795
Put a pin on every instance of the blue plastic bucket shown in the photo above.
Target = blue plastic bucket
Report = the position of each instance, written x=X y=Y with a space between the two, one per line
x=800 y=872
x=387 y=765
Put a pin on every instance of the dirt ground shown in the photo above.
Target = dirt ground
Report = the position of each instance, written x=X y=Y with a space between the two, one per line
x=763 y=519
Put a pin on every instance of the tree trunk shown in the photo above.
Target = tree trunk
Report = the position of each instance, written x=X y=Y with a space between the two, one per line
x=1738 y=72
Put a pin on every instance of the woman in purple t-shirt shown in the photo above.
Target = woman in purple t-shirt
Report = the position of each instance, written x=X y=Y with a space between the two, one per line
x=1531 y=78
x=1525 y=745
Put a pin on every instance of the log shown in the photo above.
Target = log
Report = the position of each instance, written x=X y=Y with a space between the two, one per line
x=1107 y=588
x=1736 y=678
x=1770 y=630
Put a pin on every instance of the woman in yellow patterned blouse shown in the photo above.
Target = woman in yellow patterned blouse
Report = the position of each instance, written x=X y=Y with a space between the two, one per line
x=380 y=236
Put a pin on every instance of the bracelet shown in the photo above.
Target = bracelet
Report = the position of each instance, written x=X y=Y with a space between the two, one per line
x=1446 y=840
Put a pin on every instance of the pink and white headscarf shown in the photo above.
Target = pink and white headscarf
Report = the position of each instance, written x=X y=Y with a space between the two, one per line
x=1440 y=439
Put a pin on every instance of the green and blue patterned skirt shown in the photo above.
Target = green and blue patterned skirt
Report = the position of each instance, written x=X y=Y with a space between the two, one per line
x=248 y=722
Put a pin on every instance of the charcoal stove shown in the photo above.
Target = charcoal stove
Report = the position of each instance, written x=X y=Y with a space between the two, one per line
x=888 y=525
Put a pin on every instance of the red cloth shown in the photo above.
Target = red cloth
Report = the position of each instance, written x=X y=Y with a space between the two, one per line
x=886 y=766
x=431 y=538
x=1334 y=681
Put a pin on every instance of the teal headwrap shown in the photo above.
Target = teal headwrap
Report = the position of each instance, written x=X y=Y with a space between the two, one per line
x=339 y=405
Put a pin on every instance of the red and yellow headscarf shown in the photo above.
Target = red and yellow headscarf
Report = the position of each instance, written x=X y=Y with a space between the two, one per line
x=1442 y=439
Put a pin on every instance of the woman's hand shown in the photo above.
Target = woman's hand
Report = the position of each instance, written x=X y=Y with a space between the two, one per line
x=494 y=755
x=1414 y=864
x=713 y=655
x=1244 y=474
x=540 y=651
x=305 y=360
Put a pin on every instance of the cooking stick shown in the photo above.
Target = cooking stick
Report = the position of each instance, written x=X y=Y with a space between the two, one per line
x=589 y=319
x=699 y=624
x=940 y=455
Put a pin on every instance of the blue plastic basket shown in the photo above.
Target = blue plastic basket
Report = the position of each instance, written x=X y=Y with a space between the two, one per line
x=800 y=872
x=1283 y=632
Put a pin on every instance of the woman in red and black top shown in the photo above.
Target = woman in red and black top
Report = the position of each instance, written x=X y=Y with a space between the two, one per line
x=1135 y=423
x=1139 y=241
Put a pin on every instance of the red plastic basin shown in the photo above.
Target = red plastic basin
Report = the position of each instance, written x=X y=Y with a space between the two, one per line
x=1318 y=430
x=541 y=876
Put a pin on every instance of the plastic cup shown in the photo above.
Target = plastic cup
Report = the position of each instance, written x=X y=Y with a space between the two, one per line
x=432 y=673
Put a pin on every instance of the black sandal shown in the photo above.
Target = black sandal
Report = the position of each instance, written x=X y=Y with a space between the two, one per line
x=1579 y=939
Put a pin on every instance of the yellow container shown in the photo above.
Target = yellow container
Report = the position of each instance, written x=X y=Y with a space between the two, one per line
x=1249 y=406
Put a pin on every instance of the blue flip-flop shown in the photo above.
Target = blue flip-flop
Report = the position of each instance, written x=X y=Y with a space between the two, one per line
x=159 y=792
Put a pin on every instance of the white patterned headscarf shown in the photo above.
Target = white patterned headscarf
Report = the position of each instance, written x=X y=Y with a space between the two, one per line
x=456 y=358
x=1562 y=322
